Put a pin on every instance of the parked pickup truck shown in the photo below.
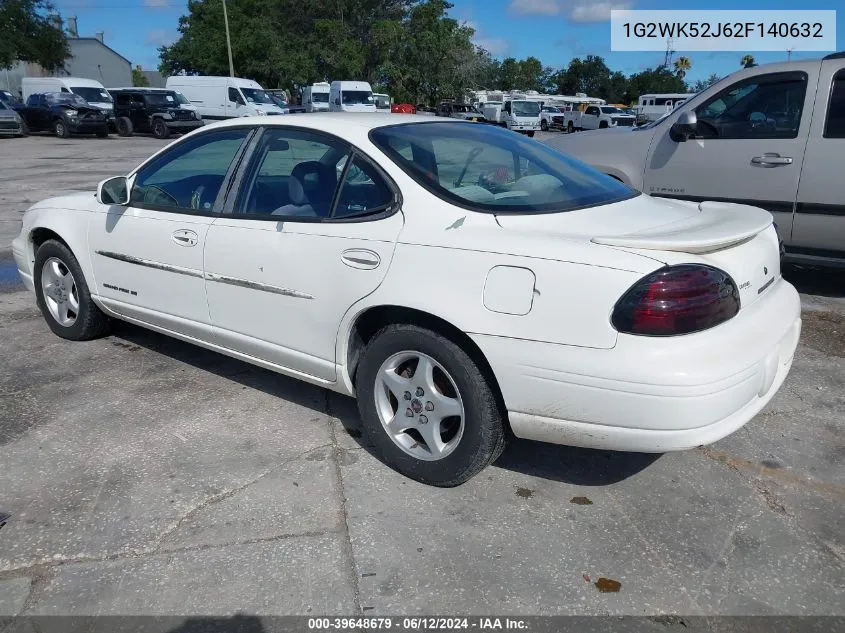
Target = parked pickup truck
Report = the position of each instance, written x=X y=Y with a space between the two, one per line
x=551 y=118
x=595 y=117
x=63 y=113
x=771 y=136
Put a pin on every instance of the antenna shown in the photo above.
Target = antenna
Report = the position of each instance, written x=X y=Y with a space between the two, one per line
x=670 y=50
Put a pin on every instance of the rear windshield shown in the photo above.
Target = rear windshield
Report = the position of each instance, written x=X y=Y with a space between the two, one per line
x=357 y=97
x=487 y=168
x=320 y=97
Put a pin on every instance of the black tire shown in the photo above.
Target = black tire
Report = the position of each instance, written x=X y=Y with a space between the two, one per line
x=90 y=321
x=103 y=132
x=160 y=129
x=530 y=134
x=24 y=128
x=570 y=128
x=123 y=125
x=603 y=125
x=544 y=125
x=484 y=433
x=61 y=129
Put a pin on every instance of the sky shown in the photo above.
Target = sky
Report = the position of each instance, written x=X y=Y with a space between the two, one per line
x=554 y=31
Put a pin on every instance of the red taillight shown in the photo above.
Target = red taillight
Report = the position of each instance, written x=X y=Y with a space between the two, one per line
x=677 y=300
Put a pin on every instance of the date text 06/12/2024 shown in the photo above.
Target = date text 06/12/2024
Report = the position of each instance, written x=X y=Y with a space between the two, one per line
x=418 y=624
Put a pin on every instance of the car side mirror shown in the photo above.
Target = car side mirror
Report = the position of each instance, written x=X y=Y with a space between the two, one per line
x=114 y=191
x=685 y=127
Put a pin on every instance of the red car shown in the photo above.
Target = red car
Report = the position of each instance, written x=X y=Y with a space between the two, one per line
x=403 y=108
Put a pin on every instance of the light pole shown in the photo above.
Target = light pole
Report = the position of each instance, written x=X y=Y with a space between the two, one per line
x=228 y=41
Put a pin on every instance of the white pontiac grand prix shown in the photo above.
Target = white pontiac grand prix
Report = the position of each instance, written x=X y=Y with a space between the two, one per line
x=463 y=281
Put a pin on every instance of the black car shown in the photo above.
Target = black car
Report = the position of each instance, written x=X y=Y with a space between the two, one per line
x=156 y=111
x=63 y=113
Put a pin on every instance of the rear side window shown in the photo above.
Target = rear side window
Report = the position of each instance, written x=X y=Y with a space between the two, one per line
x=834 y=126
x=486 y=168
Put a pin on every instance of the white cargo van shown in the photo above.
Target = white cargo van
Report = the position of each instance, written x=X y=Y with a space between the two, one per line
x=351 y=96
x=89 y=89
x=224 y=97
x=315 y=97
x=519 y=115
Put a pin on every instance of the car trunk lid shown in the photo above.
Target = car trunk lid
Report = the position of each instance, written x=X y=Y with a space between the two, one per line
x=737 y=239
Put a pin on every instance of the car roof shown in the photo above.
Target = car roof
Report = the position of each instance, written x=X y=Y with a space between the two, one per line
x=335 y=122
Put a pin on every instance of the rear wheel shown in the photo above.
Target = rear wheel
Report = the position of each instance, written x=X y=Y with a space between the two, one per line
x=63 y=296
x=160 y=129
x=544 y=125
x=123 y=125
x=61 y=129
x=570 y=128
x=427 y=407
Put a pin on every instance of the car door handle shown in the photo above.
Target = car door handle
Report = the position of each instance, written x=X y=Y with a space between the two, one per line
x=360 y=258
x=185 y=237
x=771 y=160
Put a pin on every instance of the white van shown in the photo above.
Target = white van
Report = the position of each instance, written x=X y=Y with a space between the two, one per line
x=224 y=97
x=351 y=96
x=89 y=89
x=315 y=97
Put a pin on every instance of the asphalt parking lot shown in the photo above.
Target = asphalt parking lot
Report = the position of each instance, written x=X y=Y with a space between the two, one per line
x=147 y=476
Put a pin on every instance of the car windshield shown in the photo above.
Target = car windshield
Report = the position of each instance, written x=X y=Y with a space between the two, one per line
x=256 y=95
x=611 y=110
x=357 y=97
x=525 y=108
x=320 y=97
x=65 y=98
x=181 y=99
x=487 y=168
x=93 y=95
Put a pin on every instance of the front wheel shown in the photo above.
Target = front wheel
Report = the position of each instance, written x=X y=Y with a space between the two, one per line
x=61 y=129
x=530 y=134
x=63 y=296
x=427 y=407
x=544 y=125
x=124 y=126
x=160 y=129
x=570 y=128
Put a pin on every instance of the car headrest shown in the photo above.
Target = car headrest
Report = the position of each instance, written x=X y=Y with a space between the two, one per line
x=296 y=191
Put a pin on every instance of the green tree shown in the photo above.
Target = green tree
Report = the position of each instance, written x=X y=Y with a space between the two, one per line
x=28 y=34
x=658 y=80
x=703 y=84
x=682 y=66
x=138 y=78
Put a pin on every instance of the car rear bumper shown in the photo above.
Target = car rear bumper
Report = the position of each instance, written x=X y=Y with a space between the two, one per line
x=650 y=394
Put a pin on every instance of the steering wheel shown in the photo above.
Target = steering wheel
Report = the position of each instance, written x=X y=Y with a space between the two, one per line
x=196 y=197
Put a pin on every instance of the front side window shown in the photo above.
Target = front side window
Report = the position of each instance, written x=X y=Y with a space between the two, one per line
x=487 y=168
x=68 y=99
x=293 y=173
x=189 y=176
x=357 y=97
x=235 y=96
x=768 y=106
x=834 y=126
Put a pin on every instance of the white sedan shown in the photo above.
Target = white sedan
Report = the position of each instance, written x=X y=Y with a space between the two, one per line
x=463 y=281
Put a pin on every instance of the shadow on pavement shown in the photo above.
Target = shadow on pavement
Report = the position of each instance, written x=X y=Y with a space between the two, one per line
x=578 y=466
x=235 y=624
x=824 y=282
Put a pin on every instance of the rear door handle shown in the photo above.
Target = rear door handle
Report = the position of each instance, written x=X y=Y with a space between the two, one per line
x=185 y=237
x=771 y=160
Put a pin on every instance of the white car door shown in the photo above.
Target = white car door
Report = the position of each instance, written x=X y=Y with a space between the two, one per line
x=147 y=256
x=748 y=147
x=310 y=232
